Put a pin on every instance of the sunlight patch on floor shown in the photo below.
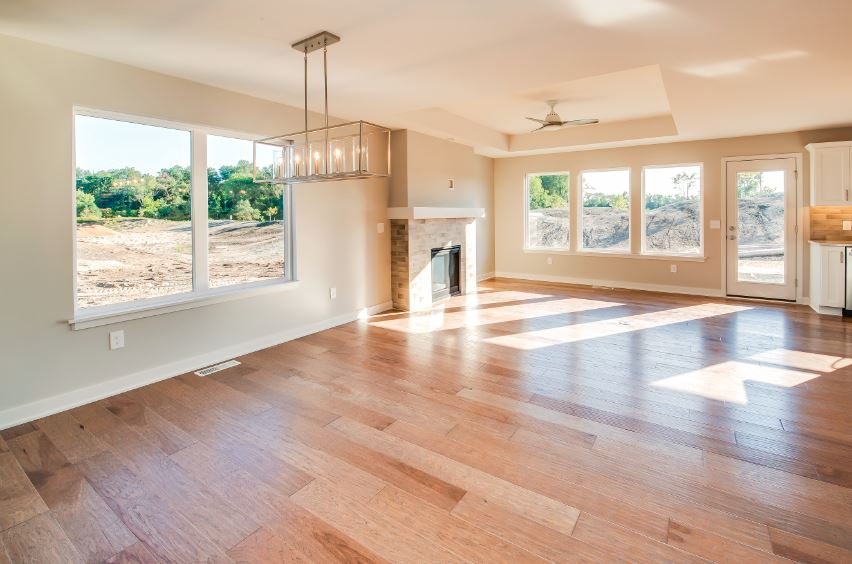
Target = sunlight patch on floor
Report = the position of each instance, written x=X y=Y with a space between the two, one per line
x=726 y=381
x=532 y=340
x=475 y=313
x=802 y=360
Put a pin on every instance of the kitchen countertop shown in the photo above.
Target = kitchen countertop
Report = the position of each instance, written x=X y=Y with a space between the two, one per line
x=833 y=243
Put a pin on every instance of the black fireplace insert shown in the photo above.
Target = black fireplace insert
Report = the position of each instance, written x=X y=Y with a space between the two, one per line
x=445 y=272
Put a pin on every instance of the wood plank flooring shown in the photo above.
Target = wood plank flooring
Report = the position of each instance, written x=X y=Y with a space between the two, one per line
x=528 y=423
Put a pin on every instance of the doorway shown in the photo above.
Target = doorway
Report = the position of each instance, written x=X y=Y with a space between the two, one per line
x=761 y=228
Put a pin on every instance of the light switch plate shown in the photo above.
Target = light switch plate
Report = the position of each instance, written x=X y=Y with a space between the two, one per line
x=380 y=227
x=847 y=225
x=673 y=268
x=715 y=224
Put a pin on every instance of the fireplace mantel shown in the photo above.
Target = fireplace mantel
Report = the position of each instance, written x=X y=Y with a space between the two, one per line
x=434 y=213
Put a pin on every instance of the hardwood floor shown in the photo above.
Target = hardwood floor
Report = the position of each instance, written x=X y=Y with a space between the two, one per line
x=530 y=422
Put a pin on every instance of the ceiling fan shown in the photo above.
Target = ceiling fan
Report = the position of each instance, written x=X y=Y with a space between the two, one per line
x=553 y=121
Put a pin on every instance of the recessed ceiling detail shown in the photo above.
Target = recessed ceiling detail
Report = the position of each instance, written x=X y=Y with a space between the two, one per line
x=472 y=70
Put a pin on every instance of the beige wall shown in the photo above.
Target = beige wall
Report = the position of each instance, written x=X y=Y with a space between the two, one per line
x=398 y=197
x=336 y=237
x=698 y=276
x=431 y=163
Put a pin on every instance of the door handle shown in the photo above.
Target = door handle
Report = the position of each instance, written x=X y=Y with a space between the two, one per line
x=732 y=237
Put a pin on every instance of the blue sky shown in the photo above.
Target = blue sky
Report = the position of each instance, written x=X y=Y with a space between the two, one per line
x=103 y=144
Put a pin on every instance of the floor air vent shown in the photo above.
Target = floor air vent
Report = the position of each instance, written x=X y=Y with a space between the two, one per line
x=217 y=367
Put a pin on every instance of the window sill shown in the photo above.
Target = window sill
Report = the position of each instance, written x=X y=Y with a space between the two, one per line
x=604 y=253
x=552 y=250
x=118 y=313
x=617 y=255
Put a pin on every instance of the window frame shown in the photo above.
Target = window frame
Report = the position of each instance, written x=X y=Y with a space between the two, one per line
x=201 y=294
x=580 y=207
x=643 y=239
x=526 y=211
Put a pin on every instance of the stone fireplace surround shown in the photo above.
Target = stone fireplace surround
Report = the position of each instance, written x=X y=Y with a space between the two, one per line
x=414 y=233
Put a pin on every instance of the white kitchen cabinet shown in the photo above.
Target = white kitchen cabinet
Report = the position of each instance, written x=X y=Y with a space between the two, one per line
x=828 y=278
x=831 y=173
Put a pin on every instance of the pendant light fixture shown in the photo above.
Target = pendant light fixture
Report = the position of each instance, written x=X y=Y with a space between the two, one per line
x=356 y=149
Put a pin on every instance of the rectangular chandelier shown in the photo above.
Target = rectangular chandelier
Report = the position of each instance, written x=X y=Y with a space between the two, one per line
x=357 y=149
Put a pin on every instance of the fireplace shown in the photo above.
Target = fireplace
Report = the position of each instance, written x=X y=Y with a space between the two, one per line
x=433 y=248
x=446 y=262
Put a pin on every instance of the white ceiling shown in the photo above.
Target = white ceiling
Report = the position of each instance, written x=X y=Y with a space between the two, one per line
x=651 y=70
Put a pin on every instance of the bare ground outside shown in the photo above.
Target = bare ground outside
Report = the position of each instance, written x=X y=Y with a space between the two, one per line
x=125 y=260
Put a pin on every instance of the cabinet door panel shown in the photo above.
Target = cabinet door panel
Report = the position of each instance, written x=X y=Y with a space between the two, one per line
x=833 y=276
x=831 y=175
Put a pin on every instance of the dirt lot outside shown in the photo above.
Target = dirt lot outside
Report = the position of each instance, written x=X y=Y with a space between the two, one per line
x=125 y=260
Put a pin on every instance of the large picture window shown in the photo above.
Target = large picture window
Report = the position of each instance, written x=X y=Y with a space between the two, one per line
x=605 y=215
x=547 y=212
x=671 y=210
x=143 y=234
x=247 y=239
x=134 y=228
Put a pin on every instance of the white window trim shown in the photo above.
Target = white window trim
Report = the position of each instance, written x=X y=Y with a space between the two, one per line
x=526 y=209
x=202 y=294
x=581 y=250
x=651 y=254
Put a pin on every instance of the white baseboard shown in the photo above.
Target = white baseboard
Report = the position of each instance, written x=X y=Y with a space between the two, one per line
x=486 y=276
x=710 y=292
x=75 y=398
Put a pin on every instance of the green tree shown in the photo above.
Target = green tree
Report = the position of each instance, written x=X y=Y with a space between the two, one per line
x=86 y=207
x=272 y=212
x=150 y=207
x=619 y=202
x=548 y=191
x=244 y=211
x=749 y=184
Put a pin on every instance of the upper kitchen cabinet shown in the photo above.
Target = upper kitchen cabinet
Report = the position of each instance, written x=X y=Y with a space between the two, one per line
x=831 y=173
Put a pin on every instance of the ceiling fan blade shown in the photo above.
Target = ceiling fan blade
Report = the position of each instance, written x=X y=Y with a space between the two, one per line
x=536 y=120
x=544 y=126
x=580 y=122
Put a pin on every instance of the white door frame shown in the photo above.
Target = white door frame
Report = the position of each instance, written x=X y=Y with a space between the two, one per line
x=800 y=217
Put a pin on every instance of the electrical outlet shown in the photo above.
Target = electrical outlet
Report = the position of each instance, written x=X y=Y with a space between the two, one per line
x=116 y=340
x=673 y=268
x=549 y=260
x=380 y=228
x=847 y=225
x=332 y=293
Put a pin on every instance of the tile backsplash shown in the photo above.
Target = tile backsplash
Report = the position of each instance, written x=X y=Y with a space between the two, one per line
x=827 y=223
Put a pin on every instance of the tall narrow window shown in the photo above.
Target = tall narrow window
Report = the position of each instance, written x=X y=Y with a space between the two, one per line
x=605 y=216
x=134 y=231
x=547 y=216
x=672 y=215
x=247 y=236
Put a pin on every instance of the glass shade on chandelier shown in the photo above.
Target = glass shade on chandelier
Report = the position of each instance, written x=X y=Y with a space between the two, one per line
x=351 y=150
